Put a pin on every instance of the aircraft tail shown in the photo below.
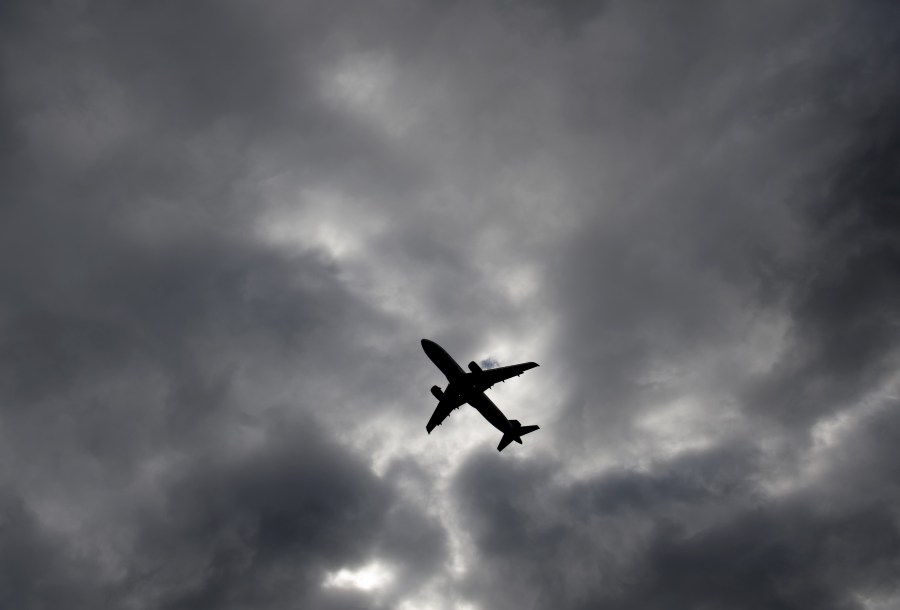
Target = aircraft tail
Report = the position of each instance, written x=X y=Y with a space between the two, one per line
x=516 y=434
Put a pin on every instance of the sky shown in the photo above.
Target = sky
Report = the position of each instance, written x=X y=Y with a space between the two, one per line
x=226 y=226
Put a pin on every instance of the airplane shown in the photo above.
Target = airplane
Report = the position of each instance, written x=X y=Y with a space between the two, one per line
x=463 y=387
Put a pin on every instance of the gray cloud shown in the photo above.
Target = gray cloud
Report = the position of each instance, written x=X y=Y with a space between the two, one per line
x=692 y=532
x=39 y=569
x=265 y=529
x=224 y=228
x=845 y=309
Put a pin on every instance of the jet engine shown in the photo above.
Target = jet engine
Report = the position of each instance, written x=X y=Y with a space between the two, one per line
x=473 y=366
x=436 y=392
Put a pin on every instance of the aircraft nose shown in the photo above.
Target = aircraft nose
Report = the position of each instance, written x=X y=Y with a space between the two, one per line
x=430 y=347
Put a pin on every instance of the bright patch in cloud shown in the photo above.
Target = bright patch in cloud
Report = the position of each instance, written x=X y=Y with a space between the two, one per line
x=371 y=576
x=365 y=85
x=321 y=219
x=683 y=425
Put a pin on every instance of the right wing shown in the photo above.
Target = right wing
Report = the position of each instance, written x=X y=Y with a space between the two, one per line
x=445 y=406
x=489 y=377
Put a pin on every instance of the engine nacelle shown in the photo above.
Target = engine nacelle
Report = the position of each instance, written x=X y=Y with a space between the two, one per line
x=473 y=366
x=436 y=392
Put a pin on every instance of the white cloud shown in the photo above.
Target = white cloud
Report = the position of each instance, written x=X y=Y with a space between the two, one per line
x=369 y=577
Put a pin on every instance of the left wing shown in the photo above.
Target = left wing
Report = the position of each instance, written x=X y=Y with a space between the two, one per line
x=445 y=406
x=488 y=377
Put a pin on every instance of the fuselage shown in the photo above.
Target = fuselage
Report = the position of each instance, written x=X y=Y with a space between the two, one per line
x=465 y=385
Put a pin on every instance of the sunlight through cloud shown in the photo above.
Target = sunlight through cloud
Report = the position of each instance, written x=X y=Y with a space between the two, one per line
x=369 y=577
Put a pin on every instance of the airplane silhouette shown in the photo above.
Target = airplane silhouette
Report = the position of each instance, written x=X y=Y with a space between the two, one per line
x=469 y=388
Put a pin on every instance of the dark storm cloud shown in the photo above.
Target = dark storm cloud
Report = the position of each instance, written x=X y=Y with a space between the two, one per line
x=689 y=533
x=265 y=529
x=128 y=238
x=772 y=194
x=846 y=307
x=39 y=569
x=749 y=191
x=142 y=320
x=692 y=207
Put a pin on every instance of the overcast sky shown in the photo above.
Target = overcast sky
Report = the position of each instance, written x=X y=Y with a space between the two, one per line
x=225 y=227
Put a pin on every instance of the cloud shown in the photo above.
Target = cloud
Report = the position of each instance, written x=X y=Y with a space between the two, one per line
x=225 y=227
x=690 y=532
x=39 y=568
x=268 y=527
x=841 y=345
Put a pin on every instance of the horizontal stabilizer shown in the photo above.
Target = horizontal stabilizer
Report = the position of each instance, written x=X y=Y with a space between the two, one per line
x=515 y=434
